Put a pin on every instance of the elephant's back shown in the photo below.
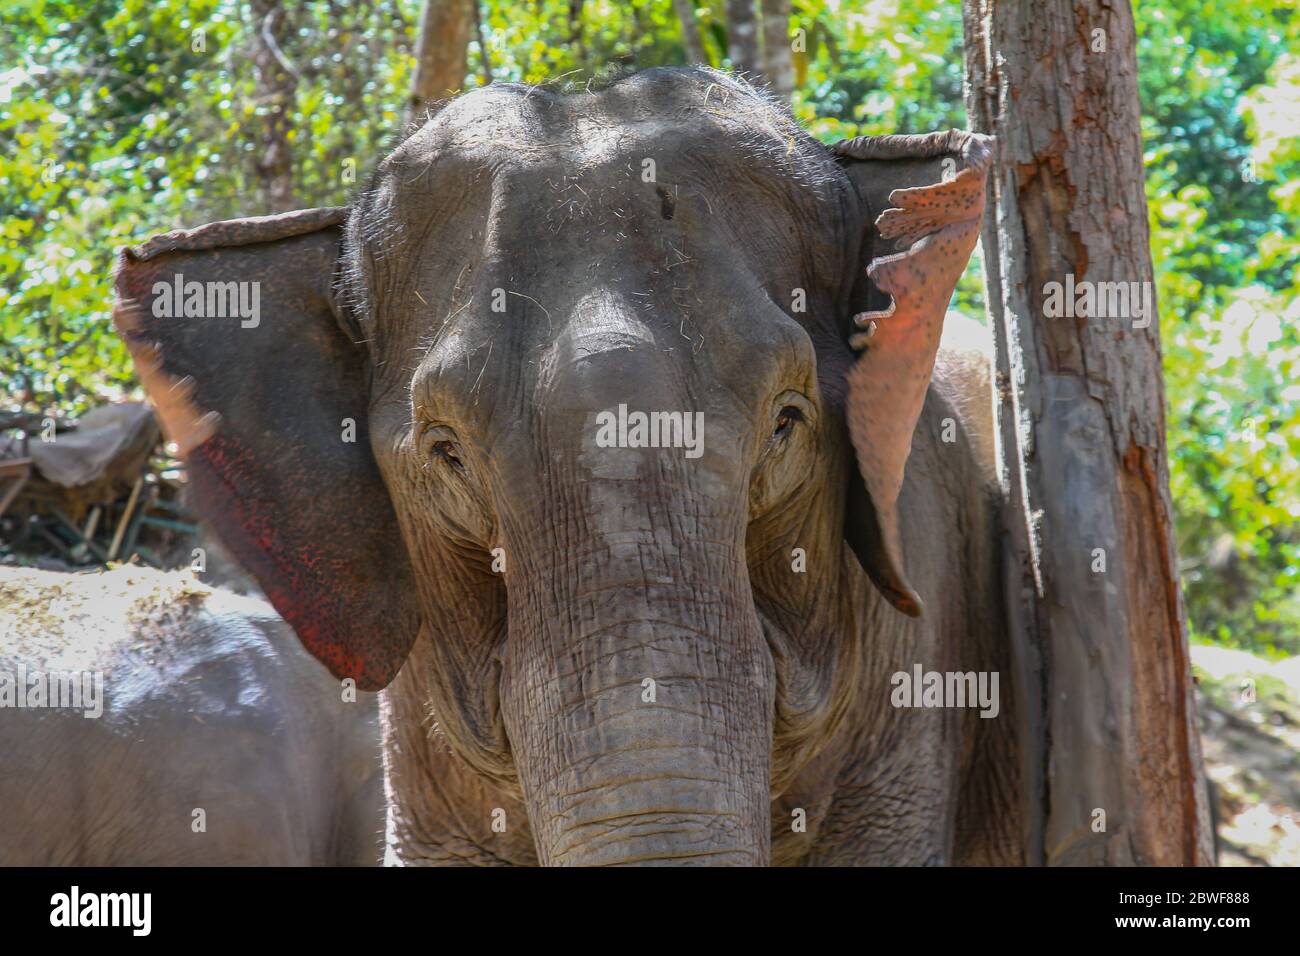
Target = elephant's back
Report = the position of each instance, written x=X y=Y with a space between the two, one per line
x=152 y=636
x=208 y=746
x=963 y=374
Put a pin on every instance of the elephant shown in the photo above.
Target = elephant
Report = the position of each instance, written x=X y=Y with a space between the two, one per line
x=148 y=720
x=606 y=431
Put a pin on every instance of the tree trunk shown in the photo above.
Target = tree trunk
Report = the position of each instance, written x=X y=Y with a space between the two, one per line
x=485 y=55
x=742 y=36
x=275 y=85
x=576 y=39
x=778 y=61
x=690 y=31
x=441 y=52
x=1098 y=620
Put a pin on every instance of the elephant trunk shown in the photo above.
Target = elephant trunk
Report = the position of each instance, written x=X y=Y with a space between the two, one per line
x=638 y=690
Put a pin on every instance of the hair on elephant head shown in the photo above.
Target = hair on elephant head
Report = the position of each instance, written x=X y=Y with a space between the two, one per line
x=572 y=413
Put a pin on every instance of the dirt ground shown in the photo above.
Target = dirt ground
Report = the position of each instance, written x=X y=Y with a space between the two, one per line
x=1250 y=733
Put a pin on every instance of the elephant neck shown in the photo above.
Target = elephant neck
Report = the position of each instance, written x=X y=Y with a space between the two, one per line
x=441 y=811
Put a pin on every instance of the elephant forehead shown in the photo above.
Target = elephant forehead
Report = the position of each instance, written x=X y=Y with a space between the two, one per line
x=600 y=321
x=661 y=115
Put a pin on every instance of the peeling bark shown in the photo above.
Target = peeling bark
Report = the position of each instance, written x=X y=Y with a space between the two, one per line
x=1081 y=433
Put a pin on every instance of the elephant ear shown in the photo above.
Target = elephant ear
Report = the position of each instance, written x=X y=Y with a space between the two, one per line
x=258 y=403
x=928 y=192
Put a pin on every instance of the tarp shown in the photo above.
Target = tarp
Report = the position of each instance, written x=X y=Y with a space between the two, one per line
x=107 y=439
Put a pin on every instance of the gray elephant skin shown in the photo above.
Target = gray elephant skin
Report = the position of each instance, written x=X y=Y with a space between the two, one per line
x=213 y=739
x=608 y=430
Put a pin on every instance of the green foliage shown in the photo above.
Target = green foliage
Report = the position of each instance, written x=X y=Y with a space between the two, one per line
x=1221 y=98
x=535 y=42
x=118 y=121
x=889 y=67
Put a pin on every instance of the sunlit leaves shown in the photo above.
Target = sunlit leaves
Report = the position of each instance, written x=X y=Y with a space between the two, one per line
x=1221 y=173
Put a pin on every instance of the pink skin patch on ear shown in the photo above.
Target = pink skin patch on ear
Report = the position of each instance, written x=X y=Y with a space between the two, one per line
x=311 y=590
x=937 y=226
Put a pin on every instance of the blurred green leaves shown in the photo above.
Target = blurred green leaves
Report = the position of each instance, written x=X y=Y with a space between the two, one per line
x=1221 y=104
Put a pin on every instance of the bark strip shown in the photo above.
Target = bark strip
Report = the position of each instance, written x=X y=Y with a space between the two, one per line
x=1084 y=468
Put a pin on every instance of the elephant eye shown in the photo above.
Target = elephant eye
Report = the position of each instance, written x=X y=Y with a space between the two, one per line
x=785 y=421
x=448 y=452
x=438 y=442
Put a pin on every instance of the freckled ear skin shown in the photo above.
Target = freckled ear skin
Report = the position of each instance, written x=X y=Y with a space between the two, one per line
x=258 y=415
x=926 y=194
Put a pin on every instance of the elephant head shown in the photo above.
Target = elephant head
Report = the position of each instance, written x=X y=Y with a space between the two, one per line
x=569 y=401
